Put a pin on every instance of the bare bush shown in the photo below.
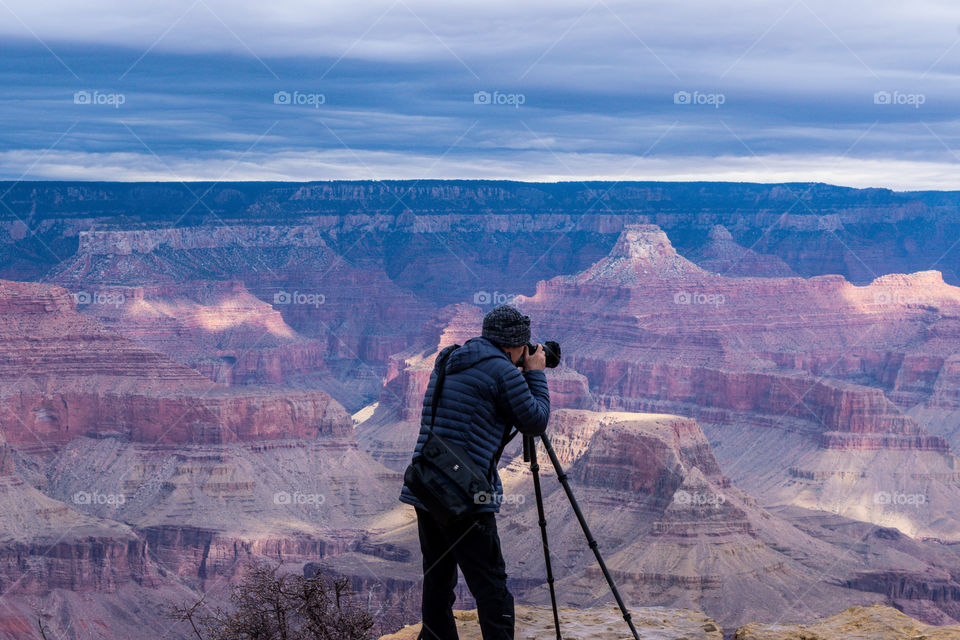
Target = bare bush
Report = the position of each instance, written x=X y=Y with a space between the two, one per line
x=269 y=605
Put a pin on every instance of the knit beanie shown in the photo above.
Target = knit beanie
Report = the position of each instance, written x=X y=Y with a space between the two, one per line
x=505 y=326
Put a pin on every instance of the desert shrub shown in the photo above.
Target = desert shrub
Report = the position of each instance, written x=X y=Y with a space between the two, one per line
x=269 y=605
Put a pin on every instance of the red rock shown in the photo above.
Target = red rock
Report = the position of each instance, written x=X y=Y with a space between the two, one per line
x=48 y=545
x=326 y=309
x=672 y=528
x=391 y=432
x=217 y=328
x=724 y=341
x=64 y=377
x=765 y=361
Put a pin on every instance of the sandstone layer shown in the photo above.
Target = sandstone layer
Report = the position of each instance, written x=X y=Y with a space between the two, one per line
x=721 y=254
x=835 y=404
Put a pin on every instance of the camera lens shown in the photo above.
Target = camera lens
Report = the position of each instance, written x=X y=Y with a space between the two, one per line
x=551 y=350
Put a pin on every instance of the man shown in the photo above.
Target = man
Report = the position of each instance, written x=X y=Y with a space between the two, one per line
x=483 y=395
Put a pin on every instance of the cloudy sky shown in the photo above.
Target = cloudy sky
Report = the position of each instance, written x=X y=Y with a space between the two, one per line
x=854 y=93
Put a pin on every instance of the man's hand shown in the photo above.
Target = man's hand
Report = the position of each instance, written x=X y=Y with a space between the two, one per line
x=536 y=361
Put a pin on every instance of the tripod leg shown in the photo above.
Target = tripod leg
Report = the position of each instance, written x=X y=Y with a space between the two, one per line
x=535 y=468
x=562 y=477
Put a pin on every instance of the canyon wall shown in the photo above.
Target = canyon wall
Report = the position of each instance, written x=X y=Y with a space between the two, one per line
x=472 y=229
x=127 y=476
x=750 y=405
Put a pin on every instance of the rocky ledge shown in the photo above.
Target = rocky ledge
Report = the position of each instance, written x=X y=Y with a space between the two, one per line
x=598 y=623
x=876 y=622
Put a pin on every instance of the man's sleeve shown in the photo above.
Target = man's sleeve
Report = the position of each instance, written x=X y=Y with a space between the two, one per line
x=528 y=400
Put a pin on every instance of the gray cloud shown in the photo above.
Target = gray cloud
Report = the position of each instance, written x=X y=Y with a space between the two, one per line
x=868 y=83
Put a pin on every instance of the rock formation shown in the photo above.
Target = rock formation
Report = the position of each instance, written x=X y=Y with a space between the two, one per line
x=789 y=376
x=64 y=376
x=876 y=622
x=203 y=296
x=472 y=229
x=218 y=328
x=721 y=254
x=675 y=532
x=686 y=528
x=126 y=476
x=53 y=557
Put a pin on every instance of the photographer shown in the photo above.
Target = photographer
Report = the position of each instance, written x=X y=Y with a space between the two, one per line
x=483 y=394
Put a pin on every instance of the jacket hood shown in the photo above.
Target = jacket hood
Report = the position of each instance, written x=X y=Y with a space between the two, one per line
x=473 y=351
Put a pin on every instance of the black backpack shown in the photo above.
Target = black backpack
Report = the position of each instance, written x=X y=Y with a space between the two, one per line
x=444 y=477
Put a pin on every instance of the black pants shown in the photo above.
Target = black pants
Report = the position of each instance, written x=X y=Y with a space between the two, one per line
x=474 y=545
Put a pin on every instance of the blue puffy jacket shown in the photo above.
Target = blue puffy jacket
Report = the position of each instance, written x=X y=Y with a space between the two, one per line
x=483 y=396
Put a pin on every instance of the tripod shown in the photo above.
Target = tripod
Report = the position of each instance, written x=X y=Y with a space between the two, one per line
x=530 y=455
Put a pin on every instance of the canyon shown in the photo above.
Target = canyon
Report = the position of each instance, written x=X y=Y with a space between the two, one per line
x=763 y=361
x=125 y=472
x=675 y=530
x=758 y=403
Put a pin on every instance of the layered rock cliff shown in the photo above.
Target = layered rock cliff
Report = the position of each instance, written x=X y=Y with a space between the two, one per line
x=249 y=304
x=125 y=476
x=216 y=327
x=65 y=376
x=675 y=531
x=789 y=376
x=814 y=228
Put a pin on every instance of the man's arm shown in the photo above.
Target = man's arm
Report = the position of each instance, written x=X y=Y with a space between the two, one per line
x=527 y=396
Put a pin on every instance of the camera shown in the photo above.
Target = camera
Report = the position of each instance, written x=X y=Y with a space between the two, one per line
x=551 y=350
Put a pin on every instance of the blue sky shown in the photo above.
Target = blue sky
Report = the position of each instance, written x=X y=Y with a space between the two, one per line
x=854 y=93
